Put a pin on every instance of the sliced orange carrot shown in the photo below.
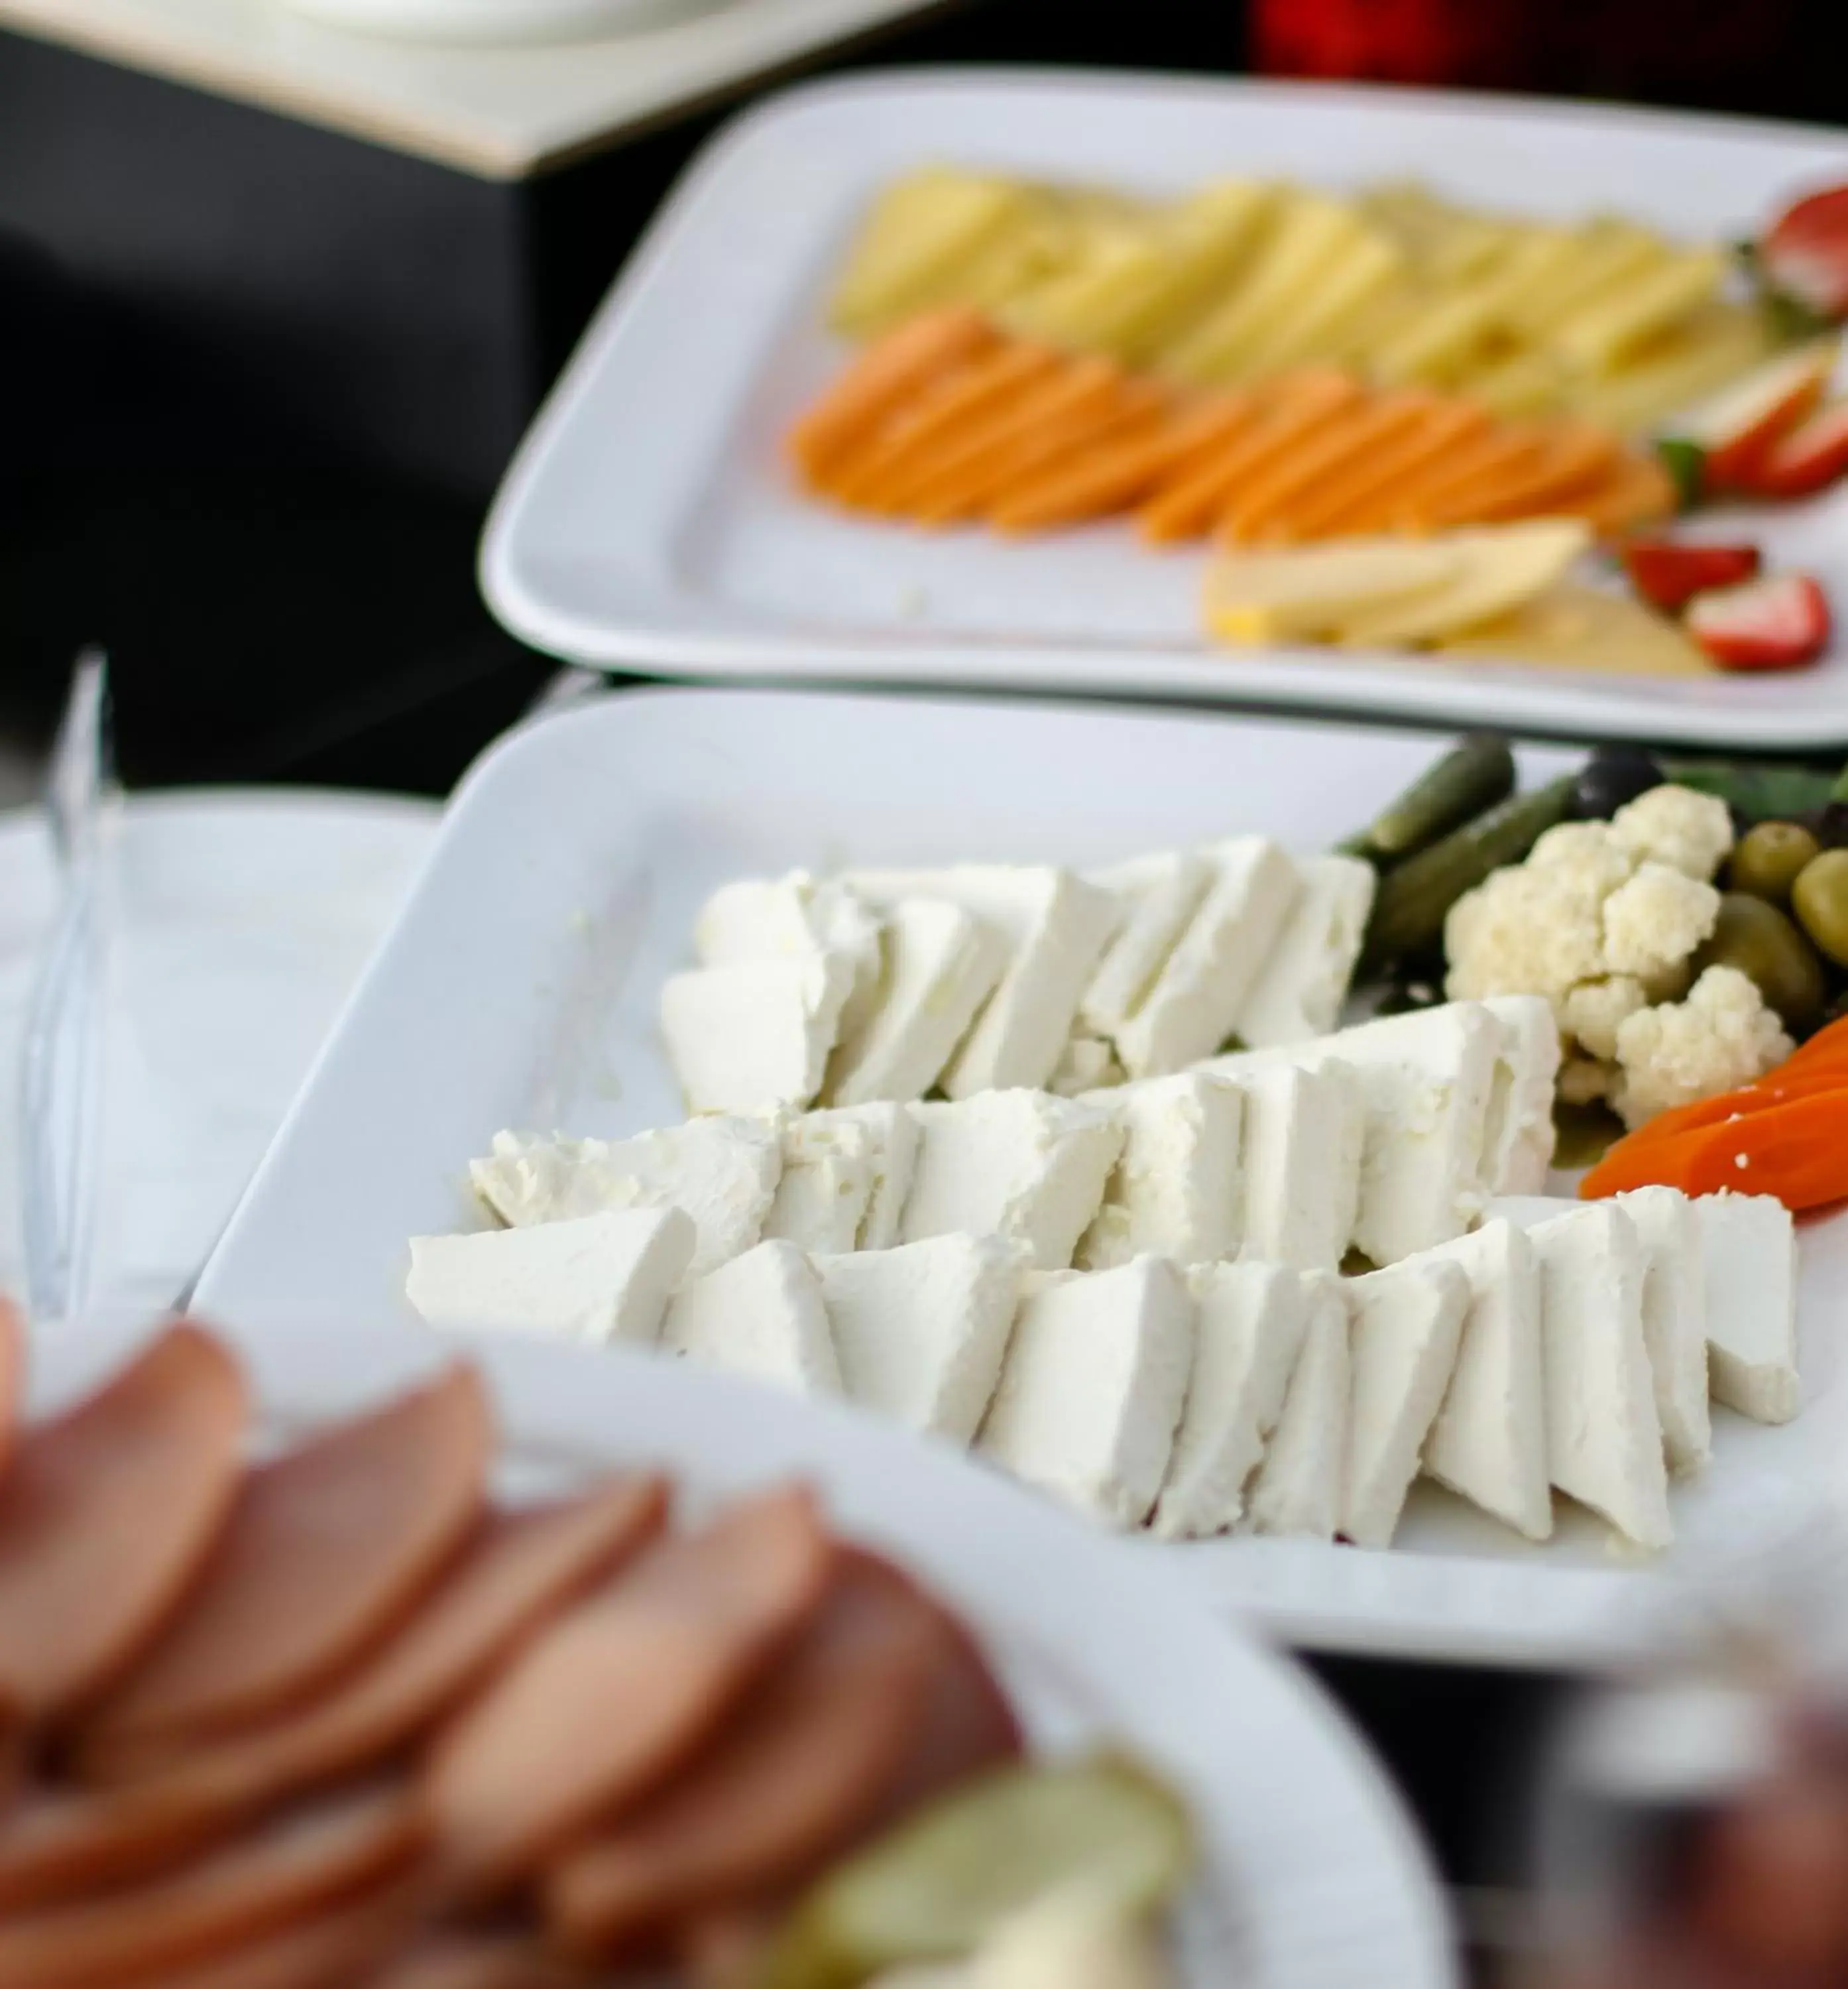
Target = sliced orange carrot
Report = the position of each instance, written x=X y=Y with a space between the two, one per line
x=1333 y=510
x=1104 y=480
x=1797 y=1151
x=1828 y=1046
x=1520 y=448
x=1072 y=437
x=883 y=377
x=1479 y=447
x=1573 y=459
x=1637 y=491
x=1782 y=1087
x=958 y=405
x=1375 y=425
x=1298 y=407
x=1069 y=400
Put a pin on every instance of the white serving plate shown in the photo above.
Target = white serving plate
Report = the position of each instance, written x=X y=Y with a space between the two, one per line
x=648 y=521
x=1311 y=1875
x=519 y=989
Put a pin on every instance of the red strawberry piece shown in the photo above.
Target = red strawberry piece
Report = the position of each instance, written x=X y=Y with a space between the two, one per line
x=1805 y=254
x=1766 y=624
x=1808 y=458
x=1737 y=428
x=1668 y=574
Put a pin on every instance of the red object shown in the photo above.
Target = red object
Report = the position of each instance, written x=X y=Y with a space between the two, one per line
x=1805 y=253
x=1668 y=574
x=1471 y=42
x=1806 y=458
x=1796 y=1151
x=1738 y=427
x=1766 y=624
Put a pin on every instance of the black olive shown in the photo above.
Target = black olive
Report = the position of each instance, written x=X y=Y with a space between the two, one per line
x=1612 y=776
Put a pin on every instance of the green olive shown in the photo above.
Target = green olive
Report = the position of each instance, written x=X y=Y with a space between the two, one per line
x=1763 y=945
x=1820 y=898
x=1769 y=858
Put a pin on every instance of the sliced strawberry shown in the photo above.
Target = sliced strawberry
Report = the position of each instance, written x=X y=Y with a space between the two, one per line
x=1737 y=427
x=1807 y=458
x=1668 y=573
x=1766 y=624
x=1805 y=254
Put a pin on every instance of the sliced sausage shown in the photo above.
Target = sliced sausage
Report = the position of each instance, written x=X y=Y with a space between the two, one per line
x=332 y=1950
x=328 y=1549
x=108 y=1514
x=782 y=1786
x=479 y=1961
x=610 y=1701
x=524 y=1569
x=12 y=1374
x=274 y=1877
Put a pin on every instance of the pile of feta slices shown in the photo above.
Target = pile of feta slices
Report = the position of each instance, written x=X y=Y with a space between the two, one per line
x=887 y=984
x=1132 y=1297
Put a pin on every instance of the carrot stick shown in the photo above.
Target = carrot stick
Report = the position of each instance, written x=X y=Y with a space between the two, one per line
x=1780 y=1088
x=1375 y=425
x=1637 y=491
x=882 y=376
x=1569 y=461
x=1481 y=447
x=958 y=405
x=1797 y=1151
x=1334 y=511
x=1073 y=439
x=1104 y=480
x=960 y=472
x=1828 y=1046
x=1186 y=508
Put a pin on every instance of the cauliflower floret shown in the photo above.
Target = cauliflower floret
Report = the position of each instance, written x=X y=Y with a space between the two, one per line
x=1595 y=1010
x=1656 y=919
x=1582 y=1081
x=1691 y=833
x=1527 y=930
x=1586 y=848
x=1722 y=1036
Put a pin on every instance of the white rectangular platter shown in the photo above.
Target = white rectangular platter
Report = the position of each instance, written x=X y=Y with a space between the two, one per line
x=648 y=521
x=519 y=988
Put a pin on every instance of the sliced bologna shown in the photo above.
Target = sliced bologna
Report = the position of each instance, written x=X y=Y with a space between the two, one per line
x=525 y=1568
x=477 y=1962
x=613 y=1699
x=782 y=1786
x=327 y=1549
x=272 y=1879
x=12 y=1374
x=337 y=1948
x=107 y=1516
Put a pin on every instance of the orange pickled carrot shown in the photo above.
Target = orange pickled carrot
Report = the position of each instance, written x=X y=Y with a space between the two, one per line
x=1797 y=1151
x=1828 y=1046
x=889 y=372
x=1337 y=509
x=1571 y=460
x=955 y=406
x=1375 y=425
x=1637 y=491
x=1517 y=451
x=1298 y=407
x=1106 y=480
x=1093 y=414
x=1780 y=1087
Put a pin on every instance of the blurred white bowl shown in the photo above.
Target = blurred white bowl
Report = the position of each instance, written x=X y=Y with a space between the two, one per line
x=501 y=21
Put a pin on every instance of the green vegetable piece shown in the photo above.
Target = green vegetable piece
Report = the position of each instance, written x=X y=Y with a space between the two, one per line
x=941 y=1882
x=1477 y=772
x=1763 y=945
x=1820 y=898
x=1838 y=789
x=1413 y=900
x=1770 y=859
x=1686 y=463
x=1765 y=792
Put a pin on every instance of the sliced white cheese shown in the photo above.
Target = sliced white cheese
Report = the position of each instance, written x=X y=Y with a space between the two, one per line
x=722 y=1171
x=1300 y=987
x=1249 y=1320
x=791 y=915
x=1192 y=1004
x=1406 y=1324
x=1092 y=1388
x=1086 y=1063
x=920 y=1332
x=1749 y=1248
x=940 y=965
x=1178 y=1190
x=596 y=1278
x=1018 y=1164
x=893 y=1131
x=754 y=1035
x=1298 y=1486
x=1156 y=897
x=1489 y=1441
x=1055 y=924
x=1674 y=1319
x=830 y=1164
x=1517 y=1144
x=1303 y=1135
x=1603 y=1437
x=761 y=1315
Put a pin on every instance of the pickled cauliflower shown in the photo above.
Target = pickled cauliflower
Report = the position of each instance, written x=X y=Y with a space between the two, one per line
x=1604 y=919
x=1721 y=1037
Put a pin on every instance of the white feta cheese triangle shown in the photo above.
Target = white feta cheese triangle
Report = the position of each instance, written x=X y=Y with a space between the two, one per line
x=1300 y=987
x=761 y=1315
x=1298 y=1486
x=1303 y=1135
x=1178 y=1189
x=1674 y=1319
x=755 y=1034
x=1749 y=1248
